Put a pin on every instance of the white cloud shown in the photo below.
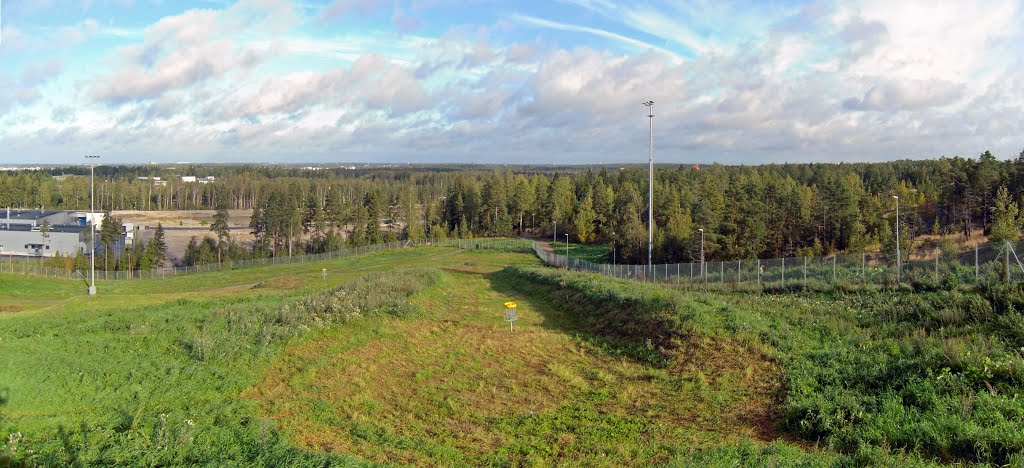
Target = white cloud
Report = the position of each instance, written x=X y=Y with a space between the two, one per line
x=77 y=33
x=341 y=8
x=194 y=47
x=178 y=69
x=11 y=38
x=900 y=95
x=852 y=80
x=651 y=21
x=951 y=40
x=41 y=72
x=595 y=31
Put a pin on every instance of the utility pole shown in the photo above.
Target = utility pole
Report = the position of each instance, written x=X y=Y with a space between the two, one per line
x=702 y=270
x=899 y=256
x=650 y=185
x=92 y=223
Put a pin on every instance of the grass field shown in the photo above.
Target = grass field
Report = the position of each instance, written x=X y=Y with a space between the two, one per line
x=152 y=371
x=403 y=357
x=590 y=252
x=457 y=386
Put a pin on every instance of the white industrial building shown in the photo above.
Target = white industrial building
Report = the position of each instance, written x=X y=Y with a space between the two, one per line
x=21 y=232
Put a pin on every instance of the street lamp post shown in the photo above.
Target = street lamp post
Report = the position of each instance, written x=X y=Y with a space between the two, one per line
x=613 y=249
x=92 y=223
x=567 y=251
x=650 y=185
x=702 y=270
x=899 y=254
x=533 y=224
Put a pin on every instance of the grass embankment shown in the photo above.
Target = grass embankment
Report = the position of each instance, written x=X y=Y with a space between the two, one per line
x=879 y=378
x=456 y=387
x=598 y=372
x=151 y=371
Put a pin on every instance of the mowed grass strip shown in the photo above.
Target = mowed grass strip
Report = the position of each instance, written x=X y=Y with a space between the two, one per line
x=455 y=386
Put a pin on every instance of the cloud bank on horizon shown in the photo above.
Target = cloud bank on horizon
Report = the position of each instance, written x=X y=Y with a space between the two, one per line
x=508 y=82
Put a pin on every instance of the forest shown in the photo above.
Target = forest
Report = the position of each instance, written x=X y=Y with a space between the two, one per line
x=765 y=211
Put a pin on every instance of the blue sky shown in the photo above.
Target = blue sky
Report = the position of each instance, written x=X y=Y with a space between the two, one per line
x=508 y=82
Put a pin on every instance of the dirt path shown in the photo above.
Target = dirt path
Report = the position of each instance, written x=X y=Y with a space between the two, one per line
x=545 y=246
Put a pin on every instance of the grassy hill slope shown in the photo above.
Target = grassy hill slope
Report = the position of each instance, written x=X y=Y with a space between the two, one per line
x=403 y=357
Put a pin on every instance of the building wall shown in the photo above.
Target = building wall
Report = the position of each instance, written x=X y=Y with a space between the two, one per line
x=14 y=242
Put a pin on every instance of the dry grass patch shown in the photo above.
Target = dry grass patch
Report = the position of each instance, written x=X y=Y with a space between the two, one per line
x=11 y=308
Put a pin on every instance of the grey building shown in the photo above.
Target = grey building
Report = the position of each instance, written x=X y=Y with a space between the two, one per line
x=21 y=233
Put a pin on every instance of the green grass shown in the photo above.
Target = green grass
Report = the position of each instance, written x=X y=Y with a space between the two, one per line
x=152 y=371
x=457 y=387
x=921 y=377
x=403 y=357
x=597 y=253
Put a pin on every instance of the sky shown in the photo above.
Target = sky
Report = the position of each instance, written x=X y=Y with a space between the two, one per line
x=481 y=81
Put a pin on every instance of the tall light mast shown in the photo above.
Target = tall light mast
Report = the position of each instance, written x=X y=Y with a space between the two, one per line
x=92 y=223
x=650 y=186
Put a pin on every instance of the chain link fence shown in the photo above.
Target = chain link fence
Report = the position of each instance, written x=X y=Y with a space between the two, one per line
x=34 y=268
x=930 y=267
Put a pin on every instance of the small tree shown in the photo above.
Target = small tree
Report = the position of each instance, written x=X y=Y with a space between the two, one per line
x=220 y=228
x=156 y=250
x=1006 y=222
x=858 y=237
x=583 y=222
x=110 y=232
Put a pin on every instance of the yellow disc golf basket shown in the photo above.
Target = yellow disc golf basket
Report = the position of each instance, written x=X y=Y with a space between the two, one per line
x=510 y=314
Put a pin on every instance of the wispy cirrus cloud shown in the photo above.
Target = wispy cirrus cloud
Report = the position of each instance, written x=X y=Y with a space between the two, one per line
x=530 y=20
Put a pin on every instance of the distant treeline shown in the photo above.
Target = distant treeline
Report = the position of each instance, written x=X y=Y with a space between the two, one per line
x=746 y=211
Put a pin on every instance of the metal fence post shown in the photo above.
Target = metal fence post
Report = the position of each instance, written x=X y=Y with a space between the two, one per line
x=834 y=270
x=805 y=271
x=977 y=275
x=783 y=271
x=759 y=272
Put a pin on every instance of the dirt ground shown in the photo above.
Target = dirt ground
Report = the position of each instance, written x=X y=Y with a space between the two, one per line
x=180 y=226
x=183 y=218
